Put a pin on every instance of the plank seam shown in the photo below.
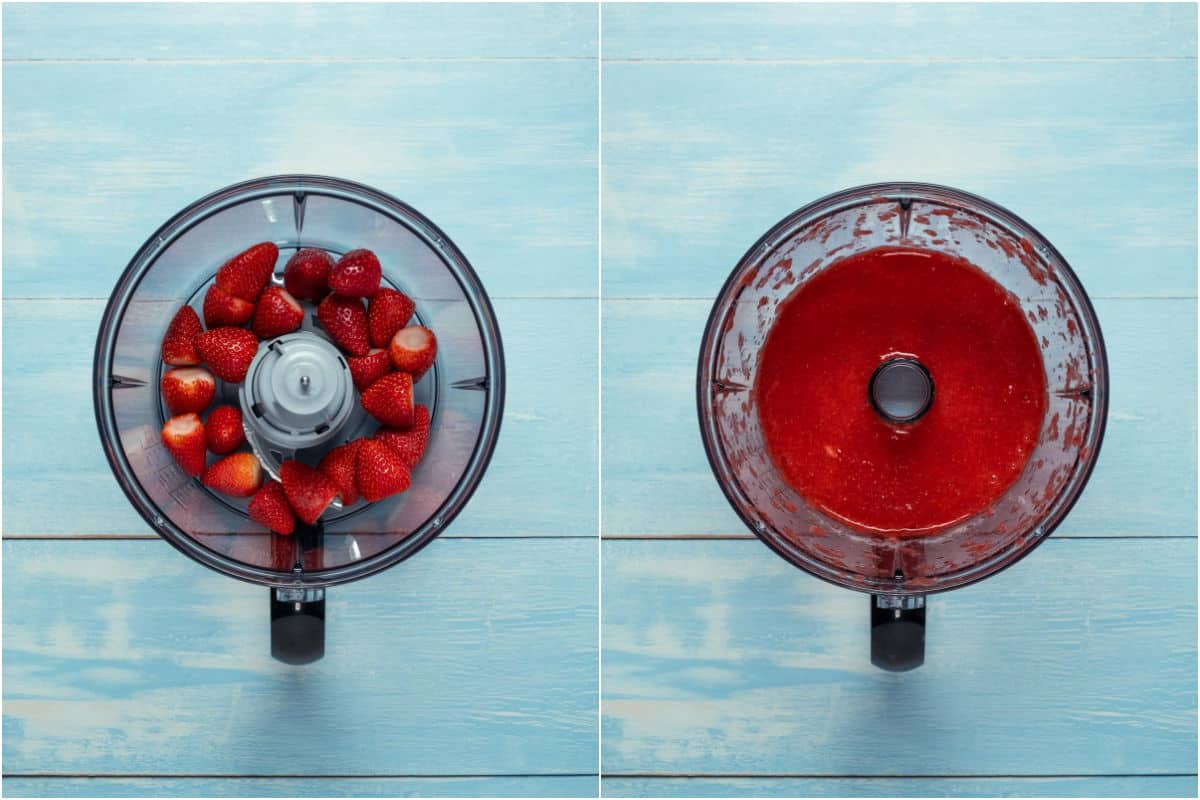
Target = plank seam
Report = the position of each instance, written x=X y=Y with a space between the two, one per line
x=289 y=776
x=888 y=776
x=904 y=60
x=329 y=60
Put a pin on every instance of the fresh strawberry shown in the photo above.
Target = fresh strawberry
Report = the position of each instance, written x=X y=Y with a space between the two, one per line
x=338 y=466
x=356 y=274
x=222 y=308
x=344 y=319
x=390 y=400
x=390 y=311
x=223 y=430
x=380 y=471
x=183 y=436
x=188 y=389
x=228 y=352
x=413 y=350
x=365 y=370
x=306 y=275
x=247 y=273
x=308 y=491
x=179 y=343
x=277 y=313
x=238 y=475
x=269 y=508
x=408 y=444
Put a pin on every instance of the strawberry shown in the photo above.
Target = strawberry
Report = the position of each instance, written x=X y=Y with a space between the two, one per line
x=390 y=311
x=228 y=352
x=222 y=308
x=308 y=491
x=188 y=389
x=247 y=273
x=183 y=436
x=277 y=313
x=306 y=275
x=365 y=370
x=338 y=466
x=409 y=444
x=269 y=508
x=413 y=350
x=223 y=430
x=179 y=343
x=238 y=475
x=379 y=471
x=390 y=400
x=356 y=274
x=343 y=319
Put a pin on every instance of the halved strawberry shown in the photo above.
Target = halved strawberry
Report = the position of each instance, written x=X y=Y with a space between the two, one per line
x=308 y=491
x=238 y=475
x=380 y=472
x=223 y=430
x=179 y=343
x=306 y=275
x=228 y=352
x=390 y=400
x=188 y=389
x=222 y=308
x=356 y=274
x=408 y=444
x=338 y=466
x=269 y=508
x=344 y=319
x=389 y=311
x=365 y=370
x=247 y=273
x=413 y=350
x=277 y=313
x=183 y=436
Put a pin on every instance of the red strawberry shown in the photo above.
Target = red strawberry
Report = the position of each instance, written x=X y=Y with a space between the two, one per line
x=413 y=350
x=389 y=312
x=365 y=370
x=179 y=343
x=338 y=466
x=223 y=430
x=380 y=471
x=277 y=313
x=188 y=389
x=269 y=508
x=238 y=475
x=183 y=436
x=228 y=352
x=308 y=491
x=409 y=444
x=343 y=319
x=356 y=274
x=222 y=308
x=247 y=273
x=390 y=400
x=306 y=275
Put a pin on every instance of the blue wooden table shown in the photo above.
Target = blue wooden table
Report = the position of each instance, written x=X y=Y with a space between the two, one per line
x=470 y=669
x=725 y=670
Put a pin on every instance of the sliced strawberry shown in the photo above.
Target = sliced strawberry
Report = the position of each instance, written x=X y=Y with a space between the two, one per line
x=269 y=508
x=188 y=389
x=228 y=352
x=356 y=274
x=389 y=311
x=277 y=313
x=390 y=400
x=380 y=471
x=238 y=475
x=365 y=370
x=344 y=319
x=183 y=436
x=179 y=343
x=308 y=491
x=306 y=275
x=247 y=273
x=223 y=430
x=338 y=466
x=408 y=444
x=413 y=350
x=222 y=308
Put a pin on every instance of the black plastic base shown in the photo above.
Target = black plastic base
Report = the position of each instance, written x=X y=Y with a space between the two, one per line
x=897 y=636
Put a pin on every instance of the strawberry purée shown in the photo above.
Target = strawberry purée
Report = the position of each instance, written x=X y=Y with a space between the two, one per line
x=831 y=445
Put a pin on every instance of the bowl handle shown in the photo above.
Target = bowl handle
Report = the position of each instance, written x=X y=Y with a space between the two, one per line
x=897 y=631
x=297 y=625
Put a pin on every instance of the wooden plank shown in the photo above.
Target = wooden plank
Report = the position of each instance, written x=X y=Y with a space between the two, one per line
x=702 y=159
x=472 y=658
x=720 y=658
x=547 y=448
x=501 y=156
x=533 y=786
x=885 y=31
x=657 y=480
x=304 y=31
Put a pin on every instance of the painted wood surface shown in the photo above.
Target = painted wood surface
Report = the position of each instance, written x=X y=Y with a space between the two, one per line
x=1174 y=786
x=540 y=786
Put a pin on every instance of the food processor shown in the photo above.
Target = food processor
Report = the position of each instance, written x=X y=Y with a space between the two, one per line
x=298 y=400
x=897 y=569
